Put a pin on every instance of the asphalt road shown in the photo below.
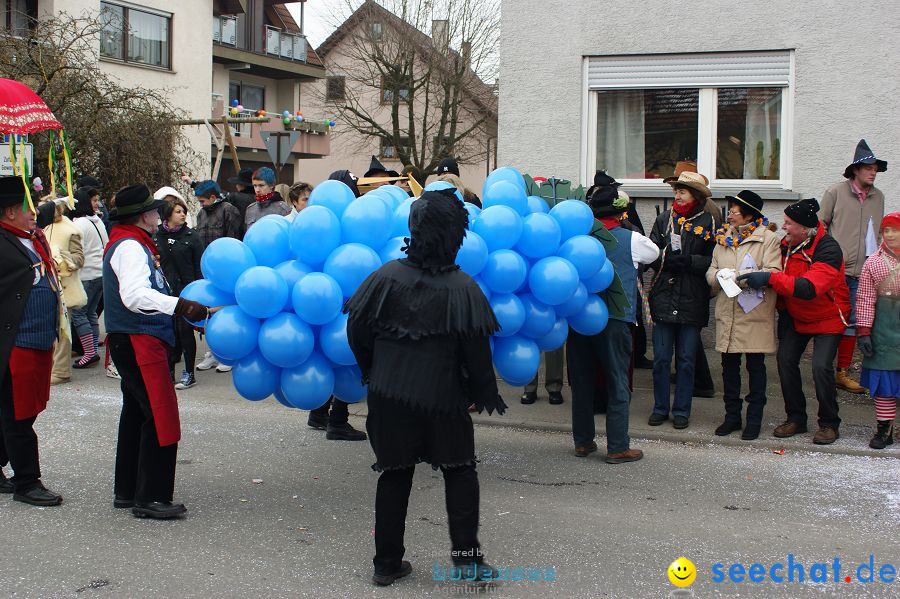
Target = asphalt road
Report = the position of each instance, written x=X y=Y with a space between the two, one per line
x=305 y=530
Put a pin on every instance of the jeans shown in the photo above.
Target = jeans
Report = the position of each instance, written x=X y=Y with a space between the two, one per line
x=85 y=319
x=731 y=382
x=553 y=372
x=612 y=348
x=852 y=285
x=790 y=349
x=684 y=340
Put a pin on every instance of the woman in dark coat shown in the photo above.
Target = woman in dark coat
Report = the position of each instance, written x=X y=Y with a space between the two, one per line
x=419 y=328
x=679 y=295
x=180 y=250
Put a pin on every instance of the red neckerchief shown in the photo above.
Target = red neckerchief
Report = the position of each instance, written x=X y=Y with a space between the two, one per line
x=41 y=247
x=610 y=222
x=120 y=232
x=265 y=197
x=684 y=209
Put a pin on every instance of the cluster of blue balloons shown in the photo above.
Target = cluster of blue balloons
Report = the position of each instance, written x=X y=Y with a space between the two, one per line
x=539 y=268
x=282 y=288
x=280 y=291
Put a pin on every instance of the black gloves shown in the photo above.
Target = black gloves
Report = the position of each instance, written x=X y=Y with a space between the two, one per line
x=677 y=263
x=864 y=344
x=756 y=280
x=191 y=310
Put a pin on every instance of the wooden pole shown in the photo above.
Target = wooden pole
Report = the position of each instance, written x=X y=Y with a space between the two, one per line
x=230 y=141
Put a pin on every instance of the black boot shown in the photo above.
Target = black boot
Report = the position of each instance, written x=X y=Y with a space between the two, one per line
x=728 y=427
x=754 y=420
x=884 y=436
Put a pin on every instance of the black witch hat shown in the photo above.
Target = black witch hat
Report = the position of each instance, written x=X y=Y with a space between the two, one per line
x=375 y=168
x=864 y=155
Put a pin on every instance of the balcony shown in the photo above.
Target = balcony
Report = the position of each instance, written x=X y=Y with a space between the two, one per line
x=270 y=53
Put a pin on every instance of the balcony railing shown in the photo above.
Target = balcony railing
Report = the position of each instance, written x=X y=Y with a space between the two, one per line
x=225 y=30
x=291 y=46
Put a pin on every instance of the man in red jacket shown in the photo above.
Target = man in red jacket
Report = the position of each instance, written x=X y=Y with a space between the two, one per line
x=813 y=304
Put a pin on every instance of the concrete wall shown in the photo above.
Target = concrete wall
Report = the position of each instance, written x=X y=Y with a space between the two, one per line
x=846 y=80
x=189 y=82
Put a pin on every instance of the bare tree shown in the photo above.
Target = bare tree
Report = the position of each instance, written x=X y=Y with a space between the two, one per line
x=117 y=133
x=411 y=77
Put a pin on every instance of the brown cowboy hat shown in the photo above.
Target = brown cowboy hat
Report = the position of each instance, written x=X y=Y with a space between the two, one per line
x=694 y=181
x=683 y=166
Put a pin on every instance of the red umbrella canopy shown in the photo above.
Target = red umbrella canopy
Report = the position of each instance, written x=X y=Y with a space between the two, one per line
x=22 y=111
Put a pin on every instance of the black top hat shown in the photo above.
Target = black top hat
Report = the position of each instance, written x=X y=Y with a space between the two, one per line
x=12 y=191
x=133 y=200
x=864 y=155
x=601 y=179
x=804 y=212
x=748 y=199
x=244 y=177
x=375 y=167
x=447 y=165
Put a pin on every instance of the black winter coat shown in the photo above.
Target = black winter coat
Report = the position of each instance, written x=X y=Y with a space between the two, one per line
x=219 y=220
x=680 y=294
x=179 y=256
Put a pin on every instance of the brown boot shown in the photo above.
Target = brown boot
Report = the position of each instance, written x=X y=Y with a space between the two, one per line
x=826 y=435
x=789 y=429
x=584 y=451
x=843 y=381
x=629 y=455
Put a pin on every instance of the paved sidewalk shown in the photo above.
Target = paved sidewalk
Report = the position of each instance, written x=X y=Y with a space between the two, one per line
x=857 y=414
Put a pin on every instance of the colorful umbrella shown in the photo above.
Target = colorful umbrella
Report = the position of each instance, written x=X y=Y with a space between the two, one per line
x=22 y=112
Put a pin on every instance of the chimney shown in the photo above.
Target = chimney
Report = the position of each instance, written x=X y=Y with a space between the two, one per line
x=466 y=51
x=440 y=33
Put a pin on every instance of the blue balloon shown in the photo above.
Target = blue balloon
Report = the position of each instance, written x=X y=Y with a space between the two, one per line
x=484 y=288
x=574 y=218
x=473 y=253
x=504 y=193
x=499 y=226
x=292 y=271
x=504 y=271
x=553 y=280
x=279 y=219
x=315 y=232
x=309 y=385
x=334 y=195
x=280 y=398
x=504 y=173
x=509 y=312
x=209 y=295
x=473 y=211
x=593 y=317
x=537 y=204
x=224 y=361
x=261 y=292
x=392 y=251
x=441 y=185
x=573 y=304
x=556 y=337
x=333 y=341
x=540 y=236
x=232 y=333
x=285 y=340
x=397 y=193
x=539 y=317
x=401 y=219
x=585 y=253
x=254 y=378
x=224 y=260
x=516 y=359
x=348 y=385
x=367 y=221
x=317 y=298
x=603 y=279
x=350 y=264
x=385 y=198
x=269 y=241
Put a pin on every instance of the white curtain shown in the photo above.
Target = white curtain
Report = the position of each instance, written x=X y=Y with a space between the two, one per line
x=620 y=134
x=148 y=38
x=763 y=130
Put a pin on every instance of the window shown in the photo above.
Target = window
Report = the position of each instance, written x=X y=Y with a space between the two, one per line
x=18 y=16
x=135 y=36
x=387 y=92
x=377 y=30
x=730 y=112
x=252 y=97
x=388 y=151
x=335 y=88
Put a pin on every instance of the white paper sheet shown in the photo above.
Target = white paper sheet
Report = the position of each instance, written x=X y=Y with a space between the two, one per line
x=725 y=277
x=871 y=239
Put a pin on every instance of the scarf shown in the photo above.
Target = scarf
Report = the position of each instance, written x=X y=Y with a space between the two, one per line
x=120 y=232
x=265 y=197
x=610 y=222
x=684 y=209
x=40 y=246
x=171 y=230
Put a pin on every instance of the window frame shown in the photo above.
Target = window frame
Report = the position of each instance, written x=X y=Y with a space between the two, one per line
x=334 y=98
x=707 y=134
x=384 y=101
x=123 y=59
x=383 y=143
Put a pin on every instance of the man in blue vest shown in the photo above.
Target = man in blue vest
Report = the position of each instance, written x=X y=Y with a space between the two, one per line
x=138 y=315
x=29 y=325
x=611 y=347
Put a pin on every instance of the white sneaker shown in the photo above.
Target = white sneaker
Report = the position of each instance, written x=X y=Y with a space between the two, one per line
x=112 y=372
x=209 y=361
x=223 y=368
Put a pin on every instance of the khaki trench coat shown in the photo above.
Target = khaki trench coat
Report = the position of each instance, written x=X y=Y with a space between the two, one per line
x=737 y=331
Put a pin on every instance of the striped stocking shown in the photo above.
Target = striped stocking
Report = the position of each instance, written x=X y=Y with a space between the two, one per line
x=885 y=408
x=90 y=350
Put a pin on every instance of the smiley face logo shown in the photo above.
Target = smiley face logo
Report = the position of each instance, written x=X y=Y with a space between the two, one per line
x=682 y=572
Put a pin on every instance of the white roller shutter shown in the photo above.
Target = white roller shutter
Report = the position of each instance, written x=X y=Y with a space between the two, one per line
x=711 y=69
